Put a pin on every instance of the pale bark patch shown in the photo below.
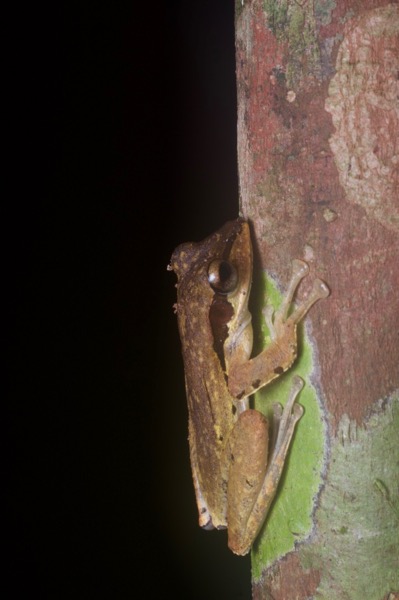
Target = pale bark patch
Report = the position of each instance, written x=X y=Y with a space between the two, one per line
x=364 y=104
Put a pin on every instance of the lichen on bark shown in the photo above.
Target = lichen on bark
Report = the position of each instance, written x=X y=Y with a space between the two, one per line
x=357 y=521
x=294 y=23
x=363 y=102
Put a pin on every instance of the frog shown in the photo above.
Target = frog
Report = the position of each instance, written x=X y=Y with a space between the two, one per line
x=237 y=457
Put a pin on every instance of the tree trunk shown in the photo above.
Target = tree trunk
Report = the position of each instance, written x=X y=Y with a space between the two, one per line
x=318 y=151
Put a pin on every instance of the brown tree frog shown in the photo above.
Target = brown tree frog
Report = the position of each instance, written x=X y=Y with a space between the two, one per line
x=235 y=481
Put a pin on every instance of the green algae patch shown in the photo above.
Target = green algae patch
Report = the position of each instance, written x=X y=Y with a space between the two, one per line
x=290 y=517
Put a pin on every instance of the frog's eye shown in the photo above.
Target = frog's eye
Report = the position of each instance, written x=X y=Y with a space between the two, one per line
x=222 y=276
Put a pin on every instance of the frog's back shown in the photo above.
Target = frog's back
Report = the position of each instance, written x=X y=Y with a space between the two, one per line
x=211 y=408
x=209 y=403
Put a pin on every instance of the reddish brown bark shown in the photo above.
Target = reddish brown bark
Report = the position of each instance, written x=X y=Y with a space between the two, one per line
x=291 y=191
x=318 y=148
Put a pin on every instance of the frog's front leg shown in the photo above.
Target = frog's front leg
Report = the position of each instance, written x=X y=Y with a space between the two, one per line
x=247 y=376
x=252 y=480
x=279 y=321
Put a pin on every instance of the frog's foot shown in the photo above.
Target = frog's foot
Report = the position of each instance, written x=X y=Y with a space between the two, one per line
x=284 y=421
x=277 y=320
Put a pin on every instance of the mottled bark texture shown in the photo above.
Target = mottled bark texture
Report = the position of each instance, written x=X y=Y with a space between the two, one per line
x=318 y=152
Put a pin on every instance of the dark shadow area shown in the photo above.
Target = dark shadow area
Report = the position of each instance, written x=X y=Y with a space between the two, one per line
x=125 y=143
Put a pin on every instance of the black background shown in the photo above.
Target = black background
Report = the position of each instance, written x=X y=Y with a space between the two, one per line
x=124 y=145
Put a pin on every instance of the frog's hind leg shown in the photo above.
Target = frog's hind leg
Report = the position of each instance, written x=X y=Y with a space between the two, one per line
x=204 y=517
x=245 y=461
x=252 y=505
x=204 y=514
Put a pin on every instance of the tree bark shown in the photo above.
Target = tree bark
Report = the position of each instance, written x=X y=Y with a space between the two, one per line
x=318 y=153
